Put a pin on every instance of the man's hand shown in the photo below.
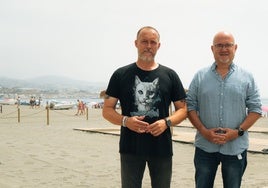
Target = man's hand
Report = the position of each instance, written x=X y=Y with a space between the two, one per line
x=136 y=124
x=157 y=127
x=215 y=135
x=220 y=135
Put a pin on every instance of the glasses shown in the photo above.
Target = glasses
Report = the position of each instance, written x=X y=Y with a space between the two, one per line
x=221 y=46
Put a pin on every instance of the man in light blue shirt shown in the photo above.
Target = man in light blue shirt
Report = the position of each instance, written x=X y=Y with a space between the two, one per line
x=223 y=103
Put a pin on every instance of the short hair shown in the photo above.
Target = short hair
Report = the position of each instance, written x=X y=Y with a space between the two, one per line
x=147 y=27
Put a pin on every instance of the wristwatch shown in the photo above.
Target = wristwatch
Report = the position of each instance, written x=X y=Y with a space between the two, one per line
x=240 y=131
x=168 y=122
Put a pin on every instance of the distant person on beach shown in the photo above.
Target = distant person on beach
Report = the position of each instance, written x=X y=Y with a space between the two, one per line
x=39 y=102
x=82 y=107
x=32 y=102
x=223 y=103
x=78 y=105
x=145 y=90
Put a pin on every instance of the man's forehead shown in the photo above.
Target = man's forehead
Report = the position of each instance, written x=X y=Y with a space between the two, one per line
x=149 y=36
x=147 y=32
x=223 y=36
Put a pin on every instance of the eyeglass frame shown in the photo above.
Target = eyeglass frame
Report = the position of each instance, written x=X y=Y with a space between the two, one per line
x=221 y=46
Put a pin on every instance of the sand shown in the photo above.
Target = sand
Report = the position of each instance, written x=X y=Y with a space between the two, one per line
x=34 y=154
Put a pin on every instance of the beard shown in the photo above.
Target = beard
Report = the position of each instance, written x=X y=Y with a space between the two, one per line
x=146 y=57
x=224 y=60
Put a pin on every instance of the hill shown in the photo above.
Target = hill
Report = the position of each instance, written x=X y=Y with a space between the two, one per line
x=49 y=87
x=51 y=83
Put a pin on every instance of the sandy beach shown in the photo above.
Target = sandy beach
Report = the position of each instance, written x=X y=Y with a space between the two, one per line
x=34 y=154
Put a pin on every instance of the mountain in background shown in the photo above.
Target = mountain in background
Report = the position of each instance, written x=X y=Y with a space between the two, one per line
x=52 y=83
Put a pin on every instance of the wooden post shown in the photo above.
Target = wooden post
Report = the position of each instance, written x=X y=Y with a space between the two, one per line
x=18 y=115
x=1 y=108
x=47 y=115
x=87 y=112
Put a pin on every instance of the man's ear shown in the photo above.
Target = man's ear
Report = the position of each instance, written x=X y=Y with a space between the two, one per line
x=135 y=43
x=159 y=44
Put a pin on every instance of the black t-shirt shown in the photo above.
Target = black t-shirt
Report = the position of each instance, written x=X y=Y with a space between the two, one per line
x=147 y=93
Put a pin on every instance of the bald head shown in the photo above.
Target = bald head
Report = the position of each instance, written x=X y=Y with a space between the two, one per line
x=148 y=28
x=223 y=35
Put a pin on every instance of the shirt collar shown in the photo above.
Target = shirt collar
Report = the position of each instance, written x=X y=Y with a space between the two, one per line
x=231 y=68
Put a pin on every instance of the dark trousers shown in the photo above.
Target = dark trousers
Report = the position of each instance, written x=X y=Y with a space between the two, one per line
x=132 y=170
x=206 y=165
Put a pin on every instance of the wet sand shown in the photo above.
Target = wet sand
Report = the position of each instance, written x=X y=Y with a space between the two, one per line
x=34 y=154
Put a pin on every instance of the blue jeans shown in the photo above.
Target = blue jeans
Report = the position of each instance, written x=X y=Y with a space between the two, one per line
x=132 y=170
x=206 y=165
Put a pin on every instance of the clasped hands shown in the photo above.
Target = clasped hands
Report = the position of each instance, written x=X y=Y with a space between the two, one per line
x=136 y=124
x=220 y=136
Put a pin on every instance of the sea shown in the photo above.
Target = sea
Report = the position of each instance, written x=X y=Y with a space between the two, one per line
x=89 y=101
x=85 y=100
x=99 y=100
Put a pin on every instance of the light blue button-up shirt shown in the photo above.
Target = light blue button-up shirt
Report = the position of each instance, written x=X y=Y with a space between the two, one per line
x=223 y=103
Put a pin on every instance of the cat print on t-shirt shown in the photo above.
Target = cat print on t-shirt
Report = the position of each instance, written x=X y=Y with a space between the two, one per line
x=146 y=96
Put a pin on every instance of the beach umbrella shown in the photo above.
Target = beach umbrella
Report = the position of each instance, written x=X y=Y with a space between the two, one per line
x=92 y=104
x=264 y=111
x=264 y=108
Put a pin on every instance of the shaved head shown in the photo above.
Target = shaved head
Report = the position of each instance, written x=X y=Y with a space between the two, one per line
x=223 y=35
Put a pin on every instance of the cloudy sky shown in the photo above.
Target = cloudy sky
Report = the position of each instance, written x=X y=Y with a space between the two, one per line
x=87 y=40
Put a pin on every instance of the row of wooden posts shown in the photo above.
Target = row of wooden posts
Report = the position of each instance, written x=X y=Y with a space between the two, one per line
x=47 y=110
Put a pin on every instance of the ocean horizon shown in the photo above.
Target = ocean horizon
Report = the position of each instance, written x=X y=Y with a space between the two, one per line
x=98 y=100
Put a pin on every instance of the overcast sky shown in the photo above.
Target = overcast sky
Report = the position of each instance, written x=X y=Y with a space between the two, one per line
x=87 y=40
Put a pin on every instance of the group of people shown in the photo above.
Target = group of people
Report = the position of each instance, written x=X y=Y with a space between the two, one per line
x=34 y=103
x=81 y=107
x=222 y=103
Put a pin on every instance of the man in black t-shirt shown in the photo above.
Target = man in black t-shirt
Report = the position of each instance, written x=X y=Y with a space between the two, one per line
x=145 y=90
